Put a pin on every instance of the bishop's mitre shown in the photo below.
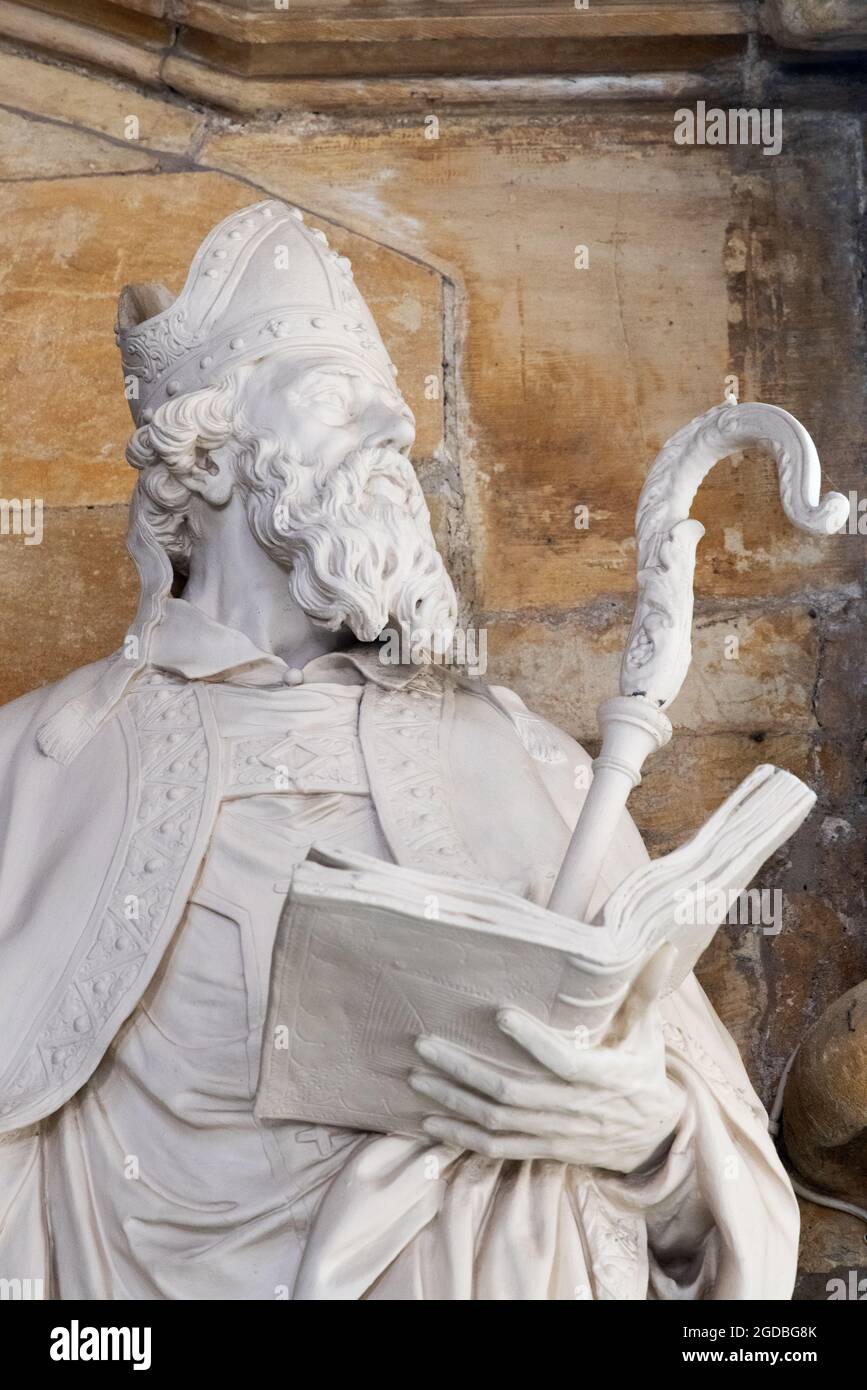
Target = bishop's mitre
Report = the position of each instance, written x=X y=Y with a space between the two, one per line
x=262 y=281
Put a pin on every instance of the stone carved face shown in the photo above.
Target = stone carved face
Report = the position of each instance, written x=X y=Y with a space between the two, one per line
x=326 y=409
x=317 y=447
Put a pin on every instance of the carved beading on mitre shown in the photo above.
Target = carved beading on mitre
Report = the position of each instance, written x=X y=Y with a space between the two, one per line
x=260 y=282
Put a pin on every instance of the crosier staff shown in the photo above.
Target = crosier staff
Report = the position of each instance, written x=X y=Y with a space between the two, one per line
x=659 y=650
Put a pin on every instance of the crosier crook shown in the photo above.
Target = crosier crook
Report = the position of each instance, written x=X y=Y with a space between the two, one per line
x=659 y=651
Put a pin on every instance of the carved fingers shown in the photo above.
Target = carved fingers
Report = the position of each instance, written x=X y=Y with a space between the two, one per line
x=600 y=1106
x=460 y=1135
x=489 y=1078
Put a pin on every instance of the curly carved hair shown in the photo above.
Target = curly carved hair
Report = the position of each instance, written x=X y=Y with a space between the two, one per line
x=179 y=438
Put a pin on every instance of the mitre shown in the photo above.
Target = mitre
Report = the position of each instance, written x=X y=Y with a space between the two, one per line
x=262 y=281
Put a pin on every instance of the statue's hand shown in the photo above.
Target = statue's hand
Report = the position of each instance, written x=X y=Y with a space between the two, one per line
x=610 y=1106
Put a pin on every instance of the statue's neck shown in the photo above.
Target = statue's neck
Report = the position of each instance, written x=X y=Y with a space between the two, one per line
x=235 y=582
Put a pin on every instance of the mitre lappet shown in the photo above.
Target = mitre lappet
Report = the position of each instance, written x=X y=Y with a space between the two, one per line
x=261 y=282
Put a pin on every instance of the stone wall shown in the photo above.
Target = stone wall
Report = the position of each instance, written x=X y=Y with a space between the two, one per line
x=539 y=388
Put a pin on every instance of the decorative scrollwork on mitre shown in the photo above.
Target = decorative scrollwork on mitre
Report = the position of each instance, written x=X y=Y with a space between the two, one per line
x=152 y=349
x=659 y=650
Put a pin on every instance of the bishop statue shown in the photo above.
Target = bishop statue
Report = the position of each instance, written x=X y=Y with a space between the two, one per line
x=155 y=803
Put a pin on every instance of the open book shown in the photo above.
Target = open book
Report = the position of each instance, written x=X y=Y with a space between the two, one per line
x=370 y=956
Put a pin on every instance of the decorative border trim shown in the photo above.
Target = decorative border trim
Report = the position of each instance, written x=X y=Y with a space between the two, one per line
x=406 y=733
x=167 y=725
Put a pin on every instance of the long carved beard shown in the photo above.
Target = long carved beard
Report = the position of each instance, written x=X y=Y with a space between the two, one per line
x=362 y=554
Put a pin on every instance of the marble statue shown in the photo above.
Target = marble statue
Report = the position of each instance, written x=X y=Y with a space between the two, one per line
x=279 y=528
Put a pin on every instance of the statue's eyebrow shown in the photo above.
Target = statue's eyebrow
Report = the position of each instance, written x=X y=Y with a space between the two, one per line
x=313 y=373
x=353 y=374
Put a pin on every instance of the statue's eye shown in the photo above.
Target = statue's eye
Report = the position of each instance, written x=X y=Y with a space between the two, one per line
x=334 y=403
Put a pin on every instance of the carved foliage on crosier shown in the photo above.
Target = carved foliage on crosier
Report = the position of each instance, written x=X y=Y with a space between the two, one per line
x=658 y=651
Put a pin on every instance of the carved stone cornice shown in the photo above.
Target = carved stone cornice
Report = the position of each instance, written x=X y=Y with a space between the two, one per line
x=266 y=55
x=816 y=24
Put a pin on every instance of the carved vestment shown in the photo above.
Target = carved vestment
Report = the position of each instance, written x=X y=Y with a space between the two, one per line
x=117 y=901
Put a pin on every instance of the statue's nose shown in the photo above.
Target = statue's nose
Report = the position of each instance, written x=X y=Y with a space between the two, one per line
x=387 y=427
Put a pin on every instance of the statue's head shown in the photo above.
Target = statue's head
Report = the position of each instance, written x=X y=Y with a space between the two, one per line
x=266 y=383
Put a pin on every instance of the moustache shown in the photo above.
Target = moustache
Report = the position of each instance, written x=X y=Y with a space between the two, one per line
x=374 y=480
